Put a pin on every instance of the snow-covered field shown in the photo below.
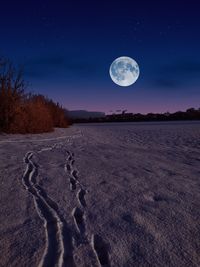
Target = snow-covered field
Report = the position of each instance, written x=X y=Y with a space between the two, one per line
x=125 y=194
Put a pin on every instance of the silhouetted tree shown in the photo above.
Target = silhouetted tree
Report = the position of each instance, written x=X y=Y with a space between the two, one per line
x=12 y=94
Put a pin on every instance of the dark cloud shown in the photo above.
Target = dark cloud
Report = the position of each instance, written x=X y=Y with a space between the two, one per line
x=176 y=74
x=167 y=83
x=47 y=60
x=181 y=67
x=48 y=65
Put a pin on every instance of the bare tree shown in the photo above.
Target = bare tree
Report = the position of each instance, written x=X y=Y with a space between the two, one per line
x=12 y=88
x=22 y=112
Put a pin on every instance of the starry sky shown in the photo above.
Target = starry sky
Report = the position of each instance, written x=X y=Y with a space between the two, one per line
x=66 y=48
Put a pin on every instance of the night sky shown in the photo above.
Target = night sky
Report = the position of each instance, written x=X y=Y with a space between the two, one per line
x=66 y=48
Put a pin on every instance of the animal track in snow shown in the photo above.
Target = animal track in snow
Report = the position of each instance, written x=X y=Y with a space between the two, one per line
x=72 y=184
x=78 y=215
x=74 y=174
x=69 y=158
x=57 y=234
x=68 y=167
x=101 y=250
x=81 y=197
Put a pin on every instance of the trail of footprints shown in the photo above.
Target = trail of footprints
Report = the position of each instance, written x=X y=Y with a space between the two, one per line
x=99 y=246
x=77 y=213
x=59 y=248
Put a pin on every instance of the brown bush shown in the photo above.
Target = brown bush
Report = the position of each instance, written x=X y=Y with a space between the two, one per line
x=22 y=113
x=33 y=117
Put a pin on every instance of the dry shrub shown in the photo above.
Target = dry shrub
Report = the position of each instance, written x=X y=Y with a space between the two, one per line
x=33 y=117
x=22 y=113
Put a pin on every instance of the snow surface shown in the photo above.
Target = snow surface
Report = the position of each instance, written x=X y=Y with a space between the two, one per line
x=113 y=194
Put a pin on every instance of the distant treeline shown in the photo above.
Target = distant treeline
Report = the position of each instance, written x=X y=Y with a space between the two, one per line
x=22 y=112
x=189 y=114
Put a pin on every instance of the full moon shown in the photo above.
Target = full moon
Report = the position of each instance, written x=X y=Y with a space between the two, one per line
x=124 y=71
